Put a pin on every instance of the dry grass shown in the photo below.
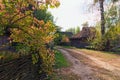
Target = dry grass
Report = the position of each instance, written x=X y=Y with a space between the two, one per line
x=106 y=56
x=111 y=58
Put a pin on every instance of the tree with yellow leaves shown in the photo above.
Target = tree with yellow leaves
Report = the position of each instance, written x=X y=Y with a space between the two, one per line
x=18 y=22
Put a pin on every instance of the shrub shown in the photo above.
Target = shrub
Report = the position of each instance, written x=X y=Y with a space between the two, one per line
x=20 y=47
x=110 y=40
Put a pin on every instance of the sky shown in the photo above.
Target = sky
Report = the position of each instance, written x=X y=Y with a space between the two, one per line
x=73 y=13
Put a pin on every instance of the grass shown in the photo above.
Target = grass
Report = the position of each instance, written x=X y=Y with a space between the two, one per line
x=118 y=50
x=68 y=46
x=61 y=64
x=60 y=60
x=101 y=54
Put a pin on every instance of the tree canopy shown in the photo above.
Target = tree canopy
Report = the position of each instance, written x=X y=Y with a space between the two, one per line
x=18 y=21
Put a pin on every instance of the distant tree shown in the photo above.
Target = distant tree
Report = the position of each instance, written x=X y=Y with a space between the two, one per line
x=85 y=24
x=43 y=14
x=58 y=34
x=112 y=16
x=101 y=2
x=110 y=40
x=112 y=37
x=73 y=30
x=77 y=30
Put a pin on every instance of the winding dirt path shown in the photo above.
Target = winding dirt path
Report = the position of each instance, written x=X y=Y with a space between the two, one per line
x=89 y=67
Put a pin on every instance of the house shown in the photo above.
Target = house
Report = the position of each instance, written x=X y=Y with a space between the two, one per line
x=81 y=39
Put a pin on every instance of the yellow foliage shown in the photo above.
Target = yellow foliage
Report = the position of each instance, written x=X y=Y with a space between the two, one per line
x=25 y=28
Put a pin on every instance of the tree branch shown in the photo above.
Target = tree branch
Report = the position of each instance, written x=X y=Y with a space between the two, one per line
x=14 y=16
x=20 y=18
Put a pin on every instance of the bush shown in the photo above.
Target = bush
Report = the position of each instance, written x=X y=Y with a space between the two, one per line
x=108 y=41
x=20 y=47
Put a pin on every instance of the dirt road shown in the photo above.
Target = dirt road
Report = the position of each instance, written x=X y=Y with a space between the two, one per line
x=88 y=67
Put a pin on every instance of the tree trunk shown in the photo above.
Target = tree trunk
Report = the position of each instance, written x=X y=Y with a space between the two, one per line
x=102 y=17
x=7 y=32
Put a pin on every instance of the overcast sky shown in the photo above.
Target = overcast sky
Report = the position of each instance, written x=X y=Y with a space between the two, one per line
x=72 y=13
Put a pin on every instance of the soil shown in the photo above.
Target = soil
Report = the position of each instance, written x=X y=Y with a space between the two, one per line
x=87 y=67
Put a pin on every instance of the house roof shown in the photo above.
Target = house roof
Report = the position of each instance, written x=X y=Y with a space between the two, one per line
x=86 y=33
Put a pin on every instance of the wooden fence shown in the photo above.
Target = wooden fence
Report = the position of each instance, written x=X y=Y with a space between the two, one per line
x=17 y=69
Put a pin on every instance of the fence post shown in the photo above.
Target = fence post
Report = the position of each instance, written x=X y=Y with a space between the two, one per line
x=1 y=60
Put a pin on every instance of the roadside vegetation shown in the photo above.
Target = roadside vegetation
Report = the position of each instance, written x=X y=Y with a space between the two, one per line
x=60 y=60
x=68 y=46
x=61 y=68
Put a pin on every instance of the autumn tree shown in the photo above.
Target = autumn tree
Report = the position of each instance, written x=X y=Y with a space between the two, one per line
x=77 y=30
x=15 y=11
x=18 y=22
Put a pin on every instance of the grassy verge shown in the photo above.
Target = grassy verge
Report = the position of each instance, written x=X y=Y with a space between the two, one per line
x=68 y=46
x=61 y=66
x=60 y=60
